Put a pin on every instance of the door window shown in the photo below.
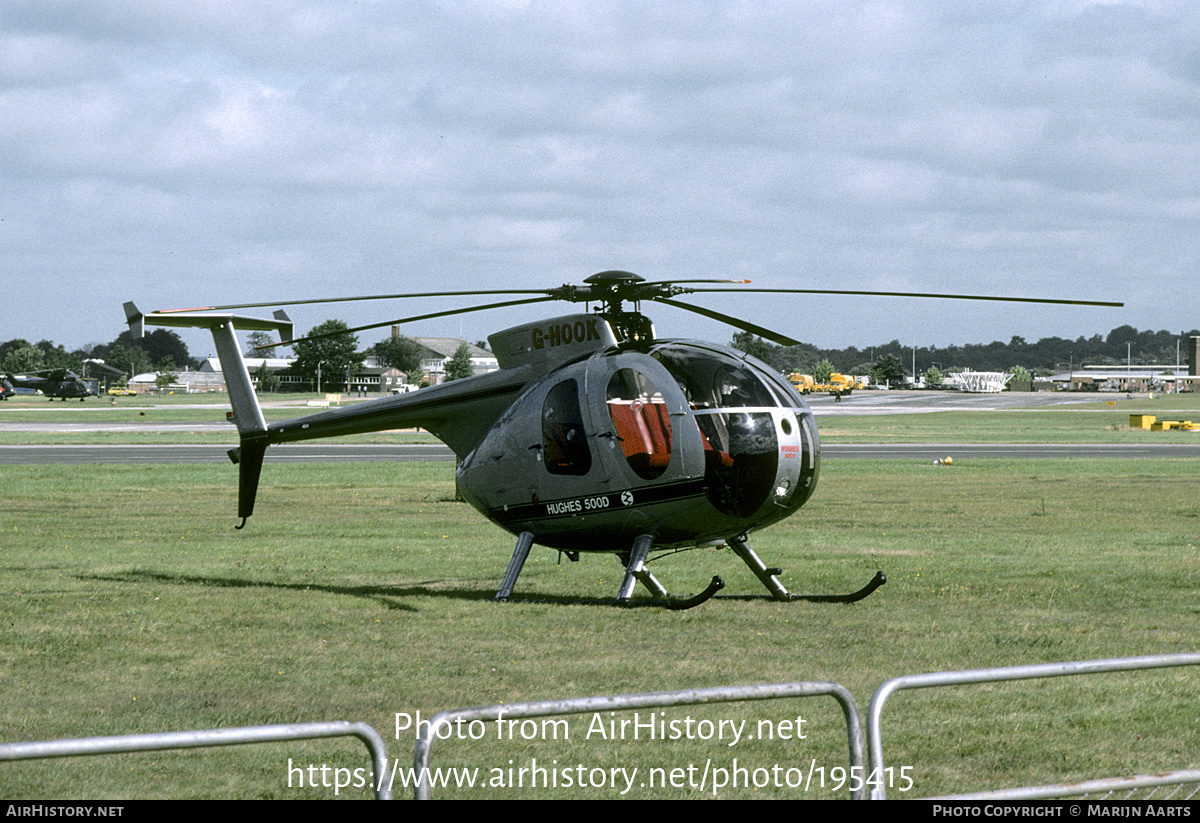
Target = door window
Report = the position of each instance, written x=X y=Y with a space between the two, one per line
x=640 y=420
x=564 y=444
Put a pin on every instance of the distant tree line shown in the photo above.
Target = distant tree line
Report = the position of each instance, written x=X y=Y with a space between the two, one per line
x=1048 y=355
x=163 y=350
x=160 y=350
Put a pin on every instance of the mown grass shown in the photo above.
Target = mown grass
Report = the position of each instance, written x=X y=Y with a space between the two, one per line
x=195 y=419
x=1101 y=421
x=128 y=603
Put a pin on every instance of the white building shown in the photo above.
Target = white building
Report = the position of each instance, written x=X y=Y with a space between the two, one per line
x=437 y=350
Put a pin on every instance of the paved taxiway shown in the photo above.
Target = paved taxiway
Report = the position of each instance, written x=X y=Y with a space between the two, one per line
x=861 y=403
x=924 y=402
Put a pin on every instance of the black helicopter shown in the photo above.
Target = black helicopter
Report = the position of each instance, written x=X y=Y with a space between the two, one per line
x=53 y=383
x=594 y=435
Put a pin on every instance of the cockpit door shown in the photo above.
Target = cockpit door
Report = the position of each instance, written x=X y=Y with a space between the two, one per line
x=645 y=432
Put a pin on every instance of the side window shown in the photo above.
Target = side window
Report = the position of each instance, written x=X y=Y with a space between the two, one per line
x=640 y=419
x=564 y=444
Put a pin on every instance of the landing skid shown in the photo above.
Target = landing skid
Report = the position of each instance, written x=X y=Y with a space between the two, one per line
x=679 y=604
x=769 y=578
x=853 y=597
x=636 y=572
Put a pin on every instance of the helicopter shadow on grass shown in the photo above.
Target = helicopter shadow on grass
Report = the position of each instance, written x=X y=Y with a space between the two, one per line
x=386 y=596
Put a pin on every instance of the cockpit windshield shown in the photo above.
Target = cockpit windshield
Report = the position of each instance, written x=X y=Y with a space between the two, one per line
x=711 y=379
x=738 y=408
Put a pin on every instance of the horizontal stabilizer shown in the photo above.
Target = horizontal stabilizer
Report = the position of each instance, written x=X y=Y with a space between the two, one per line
x=207 y=320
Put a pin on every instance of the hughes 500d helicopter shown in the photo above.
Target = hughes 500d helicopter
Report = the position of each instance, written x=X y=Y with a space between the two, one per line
x=593 y=436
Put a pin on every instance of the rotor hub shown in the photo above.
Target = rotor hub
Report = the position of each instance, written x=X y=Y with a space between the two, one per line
x=614 y=277
x=614 y=288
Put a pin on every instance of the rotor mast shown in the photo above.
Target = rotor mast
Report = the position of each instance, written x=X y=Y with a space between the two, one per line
x=612 y=289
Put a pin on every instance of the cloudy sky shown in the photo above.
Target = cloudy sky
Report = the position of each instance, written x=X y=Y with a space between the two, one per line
x=183 y=153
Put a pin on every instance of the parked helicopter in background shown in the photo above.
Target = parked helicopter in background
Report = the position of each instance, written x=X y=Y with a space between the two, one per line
x=593 y=436
x=54 y=383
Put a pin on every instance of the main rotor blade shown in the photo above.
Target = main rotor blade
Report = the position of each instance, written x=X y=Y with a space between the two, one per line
x=233 y=306
x=430 y=316
x=744 y=325
x=1051 y=300
x=698 y=280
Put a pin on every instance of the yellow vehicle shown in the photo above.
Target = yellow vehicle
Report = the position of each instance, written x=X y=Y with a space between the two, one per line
x=802 y=382
x=839 y=384
x=121 y=391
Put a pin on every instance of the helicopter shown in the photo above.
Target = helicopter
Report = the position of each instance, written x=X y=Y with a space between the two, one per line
x=594 y=435
x=54 y=383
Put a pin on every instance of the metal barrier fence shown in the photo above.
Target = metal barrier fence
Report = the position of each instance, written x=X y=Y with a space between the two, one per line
x=934 y=679
x=1173 y=782
x=204 y=738
x=585 y=705
x=1174 y=786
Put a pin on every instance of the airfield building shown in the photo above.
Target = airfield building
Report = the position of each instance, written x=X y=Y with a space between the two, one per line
x=372 y=377
x=435 y=351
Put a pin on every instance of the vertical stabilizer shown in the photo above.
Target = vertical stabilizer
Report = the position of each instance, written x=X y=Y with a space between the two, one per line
x=249 y=459
x=247 y=414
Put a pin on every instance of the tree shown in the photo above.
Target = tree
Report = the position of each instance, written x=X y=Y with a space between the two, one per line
x=10 y=345
x=887 y=369
x=121 y=356
x=934 y=377
x=164 y=379
x=1020 y=374
x=822 y=371
x=56 y=357
x=399 y=353
x=165 y=346
x=459 y=366
x=1121 y=336
x=802 y=358
x=23 y=359
x=256 y=339
x=752 y=345
x=158 y=346
x=268 y=381
x=334 y=355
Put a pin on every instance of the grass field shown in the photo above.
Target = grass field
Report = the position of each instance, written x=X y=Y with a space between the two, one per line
x=128 y=603
x=1104 y=419
x=190 y=418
